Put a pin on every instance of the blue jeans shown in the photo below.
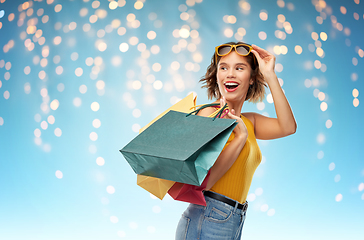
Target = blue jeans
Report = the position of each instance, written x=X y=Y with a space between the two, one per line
x=217 y=220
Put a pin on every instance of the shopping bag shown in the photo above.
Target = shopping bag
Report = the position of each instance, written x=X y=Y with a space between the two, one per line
x=189 y=193
x=156 y=186
x=178 y=147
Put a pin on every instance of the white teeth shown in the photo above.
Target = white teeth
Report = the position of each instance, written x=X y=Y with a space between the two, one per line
x=231 y=84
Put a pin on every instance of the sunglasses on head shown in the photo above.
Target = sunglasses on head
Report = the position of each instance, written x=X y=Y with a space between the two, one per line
x=241 y=49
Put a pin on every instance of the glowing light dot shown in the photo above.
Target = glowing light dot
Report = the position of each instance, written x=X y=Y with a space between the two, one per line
x=113 y=5
x=59 y=174
x=100 y=161
x=323 y=36
x=37 y=132
x=228 y=33
x=121 y=234
x=83 y=89
x=27 y=88
x=54 y=104
x=279 y=67
x=264 y=208
x=114 y=219
x=320 y=138
x=337 y=178
x=184 y=33
x=343 y=10
x=356 y=102
x=95 y=106
x=331 y=166
x=328 y=123
x=123 y=47
x=271 y=212
x=96 y=123
x=58 y=132
x=57 y=40
x=93 y=136
x=323 y=106
x=339 y=197
x=136 y=85
x=355 y=93
x=74 y=56
x=136 y=113
x=361 y=187
x=44 y=125
x=130 y=17
x=155 y=49
x=136 y=127
x=138 y=5
x=51 y=119
x=354 y=76
x=157 y=85
x=317 y=64
x=321 y=96
x=175 y=65
x=1 y=121
x=277 y=50
x=262 y=35
x=260 y=106
x=77 y=102
x=298 y=49
x=319 y=52
x=151 y=35
x=157 y=67
x=231 y=19
x=78 y=72
x=269 y=98
x=95 y=4
x=263 y=16
x=59 y=70
x=58 y=8
x=258 y=191
x=110 y=189
x=43 y=92
x=102 y=46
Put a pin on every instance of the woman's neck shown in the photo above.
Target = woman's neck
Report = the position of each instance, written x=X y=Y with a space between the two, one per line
x=237 y=106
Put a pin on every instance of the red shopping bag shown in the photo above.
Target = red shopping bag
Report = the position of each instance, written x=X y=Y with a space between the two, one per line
x=189 y=193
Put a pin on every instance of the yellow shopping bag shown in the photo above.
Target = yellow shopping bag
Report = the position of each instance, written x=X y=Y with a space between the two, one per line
x=156 y=186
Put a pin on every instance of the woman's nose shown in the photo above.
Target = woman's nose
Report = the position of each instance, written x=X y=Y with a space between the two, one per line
x=231 y=73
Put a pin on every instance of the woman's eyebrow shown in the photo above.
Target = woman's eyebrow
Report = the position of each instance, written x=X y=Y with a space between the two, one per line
x=237 y=64
x=242 y=64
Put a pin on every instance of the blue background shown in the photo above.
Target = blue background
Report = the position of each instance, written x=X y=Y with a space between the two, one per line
x=309 y=185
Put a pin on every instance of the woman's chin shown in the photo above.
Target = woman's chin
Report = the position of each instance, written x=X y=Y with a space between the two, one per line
x=233 y=97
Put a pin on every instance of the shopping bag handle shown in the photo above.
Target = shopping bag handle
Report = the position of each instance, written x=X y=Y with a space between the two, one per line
x=218 y=113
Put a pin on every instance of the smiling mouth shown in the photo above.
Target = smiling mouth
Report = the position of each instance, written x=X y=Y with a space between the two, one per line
x=231 y=86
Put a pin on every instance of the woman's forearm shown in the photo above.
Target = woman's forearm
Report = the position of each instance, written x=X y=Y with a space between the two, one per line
x=225 y=160
x=284 y=112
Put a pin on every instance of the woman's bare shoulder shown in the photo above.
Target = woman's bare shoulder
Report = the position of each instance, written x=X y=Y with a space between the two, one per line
x=206 y=111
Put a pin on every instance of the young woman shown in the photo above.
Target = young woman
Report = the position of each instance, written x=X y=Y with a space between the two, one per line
x=238 y=72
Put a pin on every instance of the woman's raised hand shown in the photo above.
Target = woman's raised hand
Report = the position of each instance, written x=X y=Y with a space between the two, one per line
x=240 y=130
x=265 y=59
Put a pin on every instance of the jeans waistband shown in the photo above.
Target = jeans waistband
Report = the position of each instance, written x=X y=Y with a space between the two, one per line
x=227 y=200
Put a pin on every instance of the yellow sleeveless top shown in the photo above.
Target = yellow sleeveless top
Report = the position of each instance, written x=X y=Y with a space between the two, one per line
x=236 y=181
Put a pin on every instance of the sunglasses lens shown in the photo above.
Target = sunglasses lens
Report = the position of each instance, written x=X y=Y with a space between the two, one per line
x=223 y=50
x=243 y=50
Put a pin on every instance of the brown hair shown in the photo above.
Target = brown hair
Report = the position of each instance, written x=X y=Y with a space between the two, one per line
x=255 y=92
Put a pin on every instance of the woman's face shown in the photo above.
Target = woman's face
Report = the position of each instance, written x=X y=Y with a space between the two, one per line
x=233 y=77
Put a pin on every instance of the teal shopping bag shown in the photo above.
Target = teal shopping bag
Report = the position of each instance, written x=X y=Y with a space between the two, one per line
x=179 y=147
